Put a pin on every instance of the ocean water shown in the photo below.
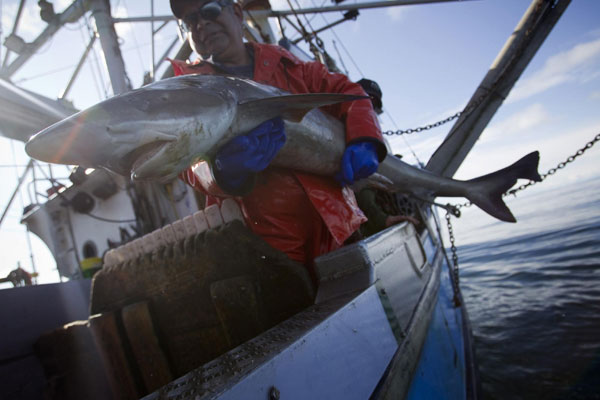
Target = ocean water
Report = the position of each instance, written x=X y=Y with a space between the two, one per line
x=532 y=290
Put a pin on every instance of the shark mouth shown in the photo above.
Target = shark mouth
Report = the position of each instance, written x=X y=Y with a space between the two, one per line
x=135 y=160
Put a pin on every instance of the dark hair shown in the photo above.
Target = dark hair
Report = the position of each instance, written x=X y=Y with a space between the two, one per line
x=374 y=92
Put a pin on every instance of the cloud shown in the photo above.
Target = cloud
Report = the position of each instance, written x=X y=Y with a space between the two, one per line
x=279 y=5
x=122 y=29
x=555 y=145
x=61 y=5
x=284 y=5
x=520 y=122
x=30 y=24
x=396 y=13
x=574 y=65
x=595 y=95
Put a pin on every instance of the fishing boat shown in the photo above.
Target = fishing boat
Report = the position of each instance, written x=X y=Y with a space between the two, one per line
x=167 y=299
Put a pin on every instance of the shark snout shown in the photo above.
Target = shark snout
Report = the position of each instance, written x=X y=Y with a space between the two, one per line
x=66 y=142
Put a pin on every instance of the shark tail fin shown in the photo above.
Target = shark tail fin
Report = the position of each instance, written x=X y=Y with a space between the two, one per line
x=491 y=187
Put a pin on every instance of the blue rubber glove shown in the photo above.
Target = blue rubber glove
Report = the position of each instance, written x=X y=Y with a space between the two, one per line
x=359 y=161
x=241 y=157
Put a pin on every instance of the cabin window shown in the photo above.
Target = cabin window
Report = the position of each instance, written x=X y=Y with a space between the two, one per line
x=89 y=250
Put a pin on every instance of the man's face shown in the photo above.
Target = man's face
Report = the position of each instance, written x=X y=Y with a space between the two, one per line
x=221 y=37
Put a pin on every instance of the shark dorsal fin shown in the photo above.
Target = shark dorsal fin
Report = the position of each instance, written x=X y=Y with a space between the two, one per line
x=294 y=107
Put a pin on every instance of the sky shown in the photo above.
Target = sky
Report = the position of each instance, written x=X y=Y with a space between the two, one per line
x=428 y=60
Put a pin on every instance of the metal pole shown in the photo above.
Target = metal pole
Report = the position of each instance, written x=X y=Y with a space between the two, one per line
x=152 y=69
x=312 y=34
x=110 y=45
x=158 y=18
x=71 y=14
x=166 y=53
x=348 y=7
x=528 y=36
x=165 y=23
x=21 y=179
x=314 y=10
x=34 y=269
x=78 y=68
x=14 y=30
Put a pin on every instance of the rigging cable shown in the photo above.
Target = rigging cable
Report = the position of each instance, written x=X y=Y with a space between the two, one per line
x=389 y=115
x=27 y=232
x=305 y=17
x=302 y=30
x=340 y=57
x=361 y=73
x=96 y=63
x=347 y=53
x=13 y=166
x=135 y=41
x=342 y=44
x=319 y=50
x=94 y=77
x=45 y=74
x=308 y=37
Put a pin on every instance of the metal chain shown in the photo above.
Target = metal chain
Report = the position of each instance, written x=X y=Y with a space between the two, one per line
x=560 y=165
x=551 y=171
x=468 y=109
x=455 y=276
x=422 y=128
x=454 y=210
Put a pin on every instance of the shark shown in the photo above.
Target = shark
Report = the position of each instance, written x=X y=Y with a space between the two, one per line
x=158 y=130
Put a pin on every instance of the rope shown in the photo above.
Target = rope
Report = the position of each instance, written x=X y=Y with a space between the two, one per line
x=340 y=57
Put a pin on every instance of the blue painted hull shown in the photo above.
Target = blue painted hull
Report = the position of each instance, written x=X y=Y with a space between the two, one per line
x=383 y=326
x=442 y=370
x=380 y=329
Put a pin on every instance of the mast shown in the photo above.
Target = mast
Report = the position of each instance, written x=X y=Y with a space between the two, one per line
x=110 y=45
x=71 y=14
x=267 y=12
x=528 y=36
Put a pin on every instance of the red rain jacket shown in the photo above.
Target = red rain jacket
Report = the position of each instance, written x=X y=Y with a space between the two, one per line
x=303 y=215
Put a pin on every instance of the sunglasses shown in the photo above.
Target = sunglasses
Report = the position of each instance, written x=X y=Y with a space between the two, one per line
x=209 y=11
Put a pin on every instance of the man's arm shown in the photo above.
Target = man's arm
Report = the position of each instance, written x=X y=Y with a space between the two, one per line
x=233 y=170
x=359 y=116
x=364 y=142
x=238 y=161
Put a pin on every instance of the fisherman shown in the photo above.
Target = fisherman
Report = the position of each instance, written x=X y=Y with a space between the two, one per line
x=380 y=206
x=301 y=214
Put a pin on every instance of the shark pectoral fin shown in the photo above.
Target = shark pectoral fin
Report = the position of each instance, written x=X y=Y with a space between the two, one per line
x=494 y=205
x=295 y=106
